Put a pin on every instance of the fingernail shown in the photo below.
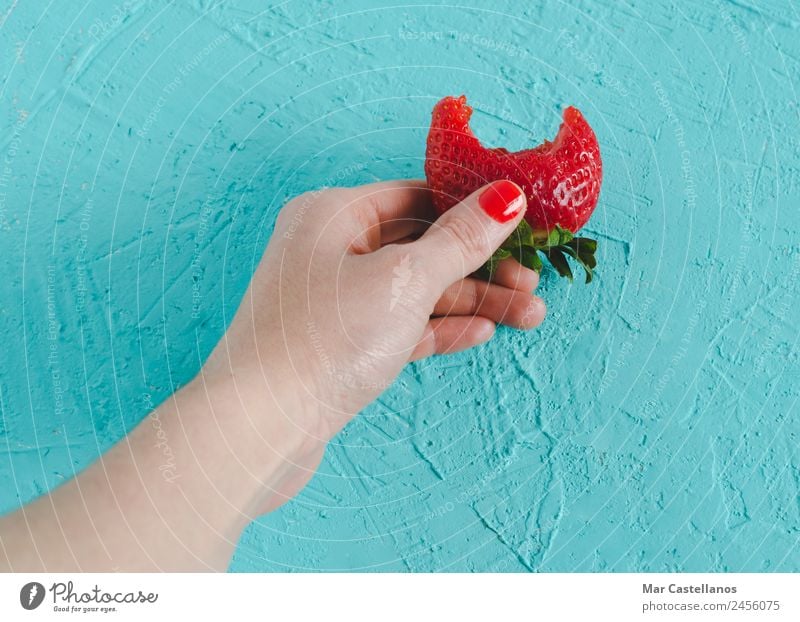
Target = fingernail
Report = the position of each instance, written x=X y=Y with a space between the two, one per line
x=502 y=200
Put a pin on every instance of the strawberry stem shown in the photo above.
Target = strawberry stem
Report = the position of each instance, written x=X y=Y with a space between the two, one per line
x=525 y=245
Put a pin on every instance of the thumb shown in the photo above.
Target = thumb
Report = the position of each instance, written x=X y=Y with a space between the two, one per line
x=465 y=236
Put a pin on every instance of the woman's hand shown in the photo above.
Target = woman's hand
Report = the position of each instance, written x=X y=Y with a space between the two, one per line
x=345 y=295
x=354 y=284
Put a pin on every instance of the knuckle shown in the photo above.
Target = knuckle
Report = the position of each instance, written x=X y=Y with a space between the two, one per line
x=294 y=215
x=289 y=221
x=471 y=294
x=470 y=237
x=286 y=214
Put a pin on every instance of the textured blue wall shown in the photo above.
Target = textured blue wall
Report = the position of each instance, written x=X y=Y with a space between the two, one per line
x=650 y=424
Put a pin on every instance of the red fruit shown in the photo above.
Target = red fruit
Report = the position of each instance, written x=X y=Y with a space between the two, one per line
x=561 y=180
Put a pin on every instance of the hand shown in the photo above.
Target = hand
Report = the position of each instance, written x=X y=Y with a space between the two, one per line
x=346 y=295
x=354 y=284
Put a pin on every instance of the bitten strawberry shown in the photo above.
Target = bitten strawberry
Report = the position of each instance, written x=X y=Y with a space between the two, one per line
x=561 y=180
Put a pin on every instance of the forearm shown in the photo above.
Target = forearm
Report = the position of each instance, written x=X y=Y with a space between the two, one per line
x=173 y=495
x=339 y=304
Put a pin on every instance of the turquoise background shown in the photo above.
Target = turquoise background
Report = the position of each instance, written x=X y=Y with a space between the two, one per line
x=650 y=424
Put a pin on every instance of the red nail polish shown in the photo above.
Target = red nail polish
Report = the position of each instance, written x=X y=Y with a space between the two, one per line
x=502 y=200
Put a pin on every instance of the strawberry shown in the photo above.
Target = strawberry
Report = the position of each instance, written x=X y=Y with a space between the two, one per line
x=561 y=180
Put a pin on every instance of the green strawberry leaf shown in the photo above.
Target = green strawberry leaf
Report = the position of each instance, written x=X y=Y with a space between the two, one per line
x=588 y=244
x=559 y=262
x=525 y=245
x=530 y=259
x=499 y=255
x=569 y=250
x=521 y=237
x=558 y=236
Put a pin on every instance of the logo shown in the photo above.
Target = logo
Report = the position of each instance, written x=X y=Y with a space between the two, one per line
x=31 y=595
x=400 y=280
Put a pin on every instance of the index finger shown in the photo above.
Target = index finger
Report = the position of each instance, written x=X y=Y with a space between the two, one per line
x=401 y=207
